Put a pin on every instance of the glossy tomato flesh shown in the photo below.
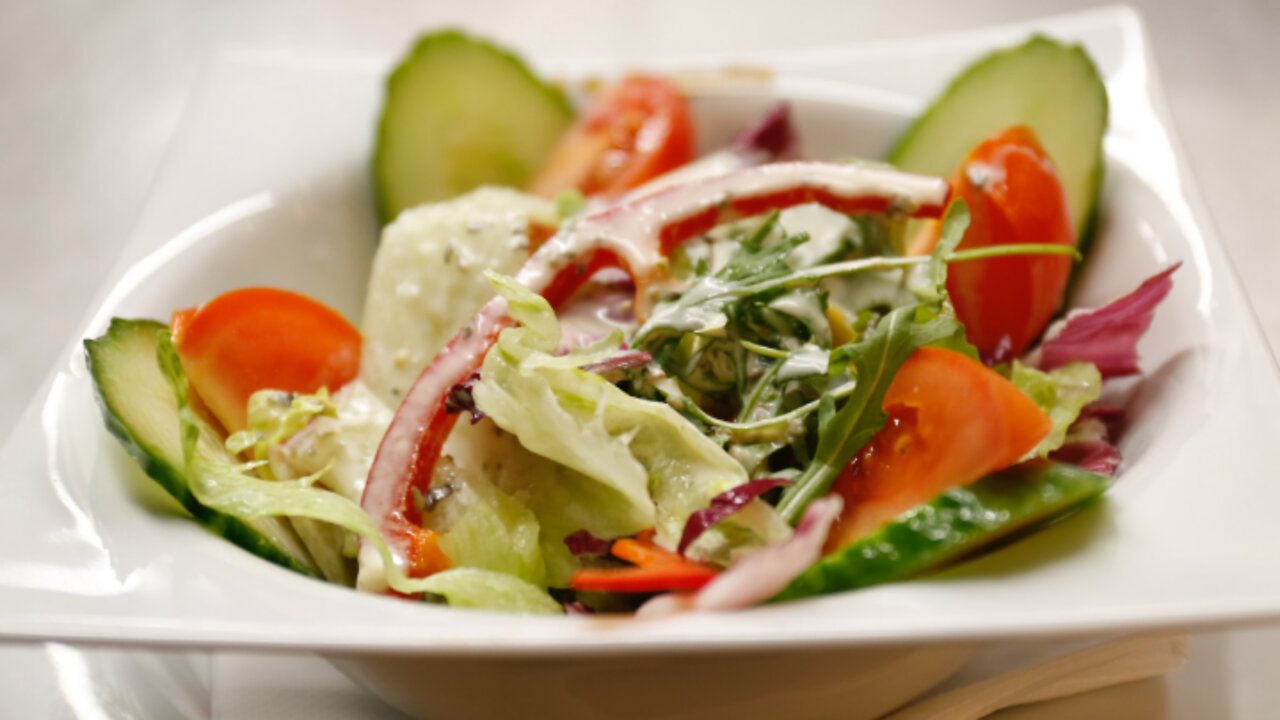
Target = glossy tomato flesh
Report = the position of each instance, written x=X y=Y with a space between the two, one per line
x=1014 y=196
x=261 y=338
x=952 y=420
x=634 y=132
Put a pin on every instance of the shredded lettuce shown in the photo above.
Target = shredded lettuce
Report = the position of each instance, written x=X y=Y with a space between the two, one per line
x=483 y=527
x=234 y=489
x=1061 y=393
x=654 y=466
x=345 y=443
x=489 y=590
x=274 y=417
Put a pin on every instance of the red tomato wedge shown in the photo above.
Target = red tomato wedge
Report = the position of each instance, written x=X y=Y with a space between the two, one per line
x=634 y=132
x=1014 y=196
x=261 y=338
x=952 y=420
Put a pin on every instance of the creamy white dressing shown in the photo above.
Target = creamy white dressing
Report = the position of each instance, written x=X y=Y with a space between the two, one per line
x=827 y=231
x=633 y=230
x=803 y=307
x=808 y=361
x=594 y=312
x=341 y=447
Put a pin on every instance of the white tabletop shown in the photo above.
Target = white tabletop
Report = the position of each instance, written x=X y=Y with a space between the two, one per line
x=91 y=92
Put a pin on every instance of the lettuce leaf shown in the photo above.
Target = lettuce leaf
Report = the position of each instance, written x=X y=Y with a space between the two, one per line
x=274 y=417
x=489 y=590
x=1061 y=393
x=653 y=468
x=234 y=489
x=340 y=447
x=483 y=527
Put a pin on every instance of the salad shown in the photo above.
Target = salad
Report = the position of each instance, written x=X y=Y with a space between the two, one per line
x=598 y=373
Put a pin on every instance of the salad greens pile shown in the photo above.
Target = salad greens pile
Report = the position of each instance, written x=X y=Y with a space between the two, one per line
x=714 y=380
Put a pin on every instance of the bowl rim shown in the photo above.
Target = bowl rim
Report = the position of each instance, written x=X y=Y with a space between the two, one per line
x=603 y=635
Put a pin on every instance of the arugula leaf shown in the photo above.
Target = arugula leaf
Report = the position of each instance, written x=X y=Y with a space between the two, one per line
x=844 y=431
x=755 y=260
x=875 y=360
x=954 y=225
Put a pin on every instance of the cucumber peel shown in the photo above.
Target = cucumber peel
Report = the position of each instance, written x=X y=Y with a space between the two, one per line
x=141 y=412
x=956 y=524
x=1052 y=87
x=459 y=113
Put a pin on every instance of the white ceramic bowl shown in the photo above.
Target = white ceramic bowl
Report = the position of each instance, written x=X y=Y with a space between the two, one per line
x=273 y=159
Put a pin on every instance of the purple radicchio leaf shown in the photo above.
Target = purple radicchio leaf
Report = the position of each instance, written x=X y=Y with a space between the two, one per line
x=772 y=135
x=583 y=542
x=1111 y=417
x=1090 y=441
x=1098 y=456
x=722 y=506
x=460 y=399
x=621 y=360
x=1107 y=336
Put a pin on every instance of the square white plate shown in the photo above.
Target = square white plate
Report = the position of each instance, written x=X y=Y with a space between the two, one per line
x=266 y=184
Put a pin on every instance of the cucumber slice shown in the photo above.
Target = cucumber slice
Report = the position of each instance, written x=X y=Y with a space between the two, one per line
x=957 y=523
x=140 y=410
x=1053 y=88
x=460 y=113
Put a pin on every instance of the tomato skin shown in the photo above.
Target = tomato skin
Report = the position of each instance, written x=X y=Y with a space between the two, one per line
x=1014 y=196
x=636 y=131
x=952 y=420
x=261 y=338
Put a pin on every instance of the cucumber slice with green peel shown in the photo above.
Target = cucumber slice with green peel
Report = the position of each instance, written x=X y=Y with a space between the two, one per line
x=139 y=408
x=1051 y=87
x=460 y=113
x=952 y=526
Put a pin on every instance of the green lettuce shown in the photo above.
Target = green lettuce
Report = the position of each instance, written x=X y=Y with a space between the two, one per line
x=488 y=590
x=234 y=489
x=274 y=417
x=653 y=468
x=1061 y=393
x=483 y=527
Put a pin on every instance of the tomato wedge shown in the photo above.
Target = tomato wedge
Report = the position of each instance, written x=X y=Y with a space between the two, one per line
x=635 y=236
x=636 y=131
x=1014 y=196
x=262 y=338
x=952 y=420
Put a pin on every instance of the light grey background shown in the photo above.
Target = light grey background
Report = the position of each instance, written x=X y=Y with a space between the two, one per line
x=92 y=90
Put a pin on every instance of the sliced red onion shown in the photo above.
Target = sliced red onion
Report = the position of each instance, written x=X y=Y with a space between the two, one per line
x=621 y=360
x=724 y=505
x=772 y=135
x=761 y=573
x=583 y=542
x=1107 y=336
